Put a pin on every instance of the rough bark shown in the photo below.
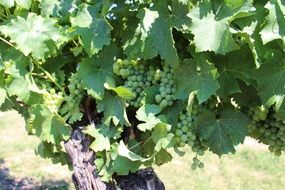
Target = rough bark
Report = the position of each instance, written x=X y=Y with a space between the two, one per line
x=144 y=179
x=85 y=177
x=82 y=159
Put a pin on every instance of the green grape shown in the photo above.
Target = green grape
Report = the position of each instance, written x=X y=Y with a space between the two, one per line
x=189 y=134
x=191 y=143
x=196 y=160
x=184 y=122
x=184 y=138
x=193 y=166
x=185 y=129
x=182 y=117
x=201 y=165
x=269 y=129
x=182 y=144
x=72 y=101
x=163 y=103
x=179 y=125
x=166 y=90
x=179 y=132
x=277 y=152
x=195 y=148
x=200 y=152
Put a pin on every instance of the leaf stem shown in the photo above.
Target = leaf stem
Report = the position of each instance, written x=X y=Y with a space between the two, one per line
x=3 y=15
x=7 y=42
x=48 y=75
x=8 y=12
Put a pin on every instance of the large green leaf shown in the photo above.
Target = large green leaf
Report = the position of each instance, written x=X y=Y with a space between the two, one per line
x=49 y=127
x=154 y=34
x=196 y=75
x=275 y=25
x=101 y=142
x=95 y=72
x=211 y=29
x=7 y=3
x=223 y=133
x=235 y=65
x=32 y=34
x=114 y=110
x=147 y=113
x=94 y=31
x=271 y=81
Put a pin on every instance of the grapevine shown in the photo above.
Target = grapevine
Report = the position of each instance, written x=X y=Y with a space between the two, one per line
x=113 y=88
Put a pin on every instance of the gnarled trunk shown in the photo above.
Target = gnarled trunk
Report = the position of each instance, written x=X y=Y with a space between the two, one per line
x=85 y=175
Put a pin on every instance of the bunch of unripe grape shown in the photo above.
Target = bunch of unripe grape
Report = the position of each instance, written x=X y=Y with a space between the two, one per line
x=167 y=89
x=267 y=128
x=75 y=88
x=185 y=133
x=134 y=72
x=71 y=107
x=53 y=99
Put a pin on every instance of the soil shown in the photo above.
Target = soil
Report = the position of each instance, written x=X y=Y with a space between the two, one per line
x=7 y=182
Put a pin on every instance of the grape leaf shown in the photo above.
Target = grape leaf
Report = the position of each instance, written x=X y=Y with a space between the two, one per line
x=162 y=157
x=172 y=112
x=49 y=7
x=95 y=72
x=26 y=4
x=235 y=65
x=122 y=91
x=275 y=25
x=94 y=31
x=49 y=127
x=32 y=34
x=125 y=152
x=93 y=77
x=7 y=3
x=101 y=142
x=114 y=109
x=59 y=9
x=147 y=114
x=3 y=96
x=280 y=113
x=19 y=87
x=165 y=142
x=220 y=40
x=123 y=165
x=271 y=81
x=212 y=31
x=223 y=133
x=196 y=75
x=18 y=62
x=154 y=34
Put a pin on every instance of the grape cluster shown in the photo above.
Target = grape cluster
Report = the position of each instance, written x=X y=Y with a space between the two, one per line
x=185 y=133
x=135 y=74
x=52 y=99
x=267 y=128
x=71 y=109
x=167 y=88
x=197 y=163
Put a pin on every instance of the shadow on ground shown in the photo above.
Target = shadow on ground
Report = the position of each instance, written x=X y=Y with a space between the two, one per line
x=7 y=182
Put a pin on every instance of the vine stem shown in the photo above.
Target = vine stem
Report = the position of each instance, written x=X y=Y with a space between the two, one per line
x=48 y=75
x=7 y=42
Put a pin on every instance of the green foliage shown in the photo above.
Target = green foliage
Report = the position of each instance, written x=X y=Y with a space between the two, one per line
x=151 y=76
